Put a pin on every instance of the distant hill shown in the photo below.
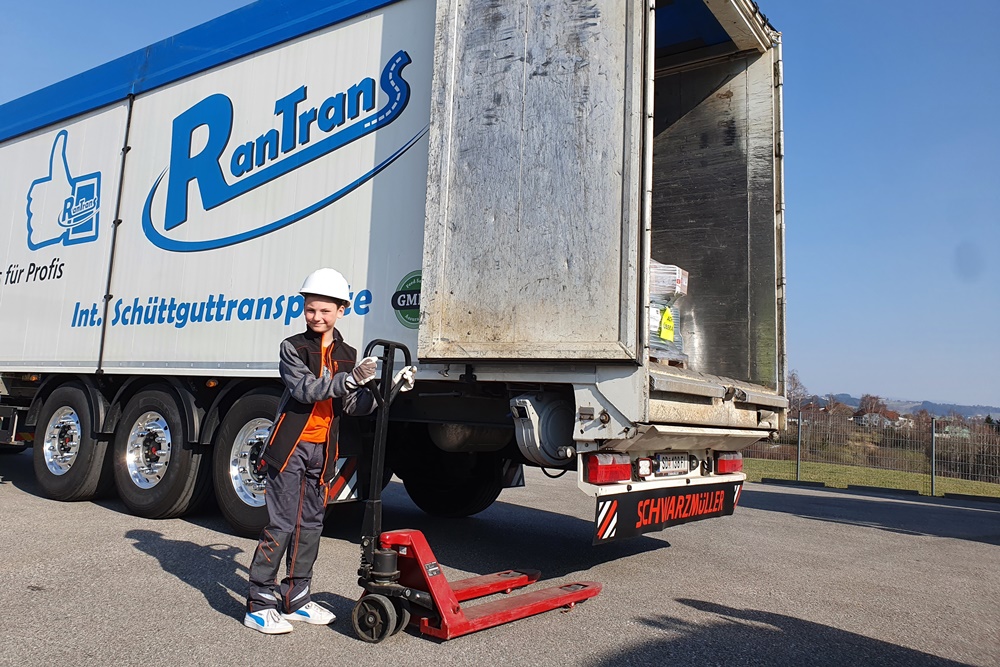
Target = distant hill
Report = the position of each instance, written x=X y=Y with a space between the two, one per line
x=847 y=399
x=945 y=409
x=910 y=407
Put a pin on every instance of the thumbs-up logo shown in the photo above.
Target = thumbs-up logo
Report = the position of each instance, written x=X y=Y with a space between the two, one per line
x=63 y=208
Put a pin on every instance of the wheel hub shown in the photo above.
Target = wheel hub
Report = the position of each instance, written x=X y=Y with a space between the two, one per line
x=148 y=452
x=374 y=618
x=245 y=470
x=62 y=440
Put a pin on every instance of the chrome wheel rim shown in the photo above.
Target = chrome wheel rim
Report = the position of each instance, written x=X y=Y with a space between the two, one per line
x=244 y=460
x=62 y=440
x=148 y=452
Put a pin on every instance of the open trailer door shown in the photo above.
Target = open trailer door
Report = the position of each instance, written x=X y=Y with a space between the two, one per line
x=533 y=231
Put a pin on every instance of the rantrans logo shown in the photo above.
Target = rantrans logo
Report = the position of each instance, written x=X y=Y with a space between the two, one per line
x=340 y=119
x=63 y=208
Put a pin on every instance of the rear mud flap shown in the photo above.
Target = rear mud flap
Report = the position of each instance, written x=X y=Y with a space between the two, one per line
x=632 y=514
x=345 y=485
x=513 y=474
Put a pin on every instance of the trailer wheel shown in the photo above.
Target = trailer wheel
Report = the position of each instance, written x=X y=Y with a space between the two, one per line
x=70 y=464
x=239 y=444
x=373 y=618
x=441 y=495
x=159 y=474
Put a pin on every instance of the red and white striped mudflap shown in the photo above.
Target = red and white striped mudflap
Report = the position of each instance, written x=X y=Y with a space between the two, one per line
x=344 y=486
x=607 y=519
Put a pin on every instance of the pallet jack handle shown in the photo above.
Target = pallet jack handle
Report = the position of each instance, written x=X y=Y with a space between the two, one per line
x=385 y=393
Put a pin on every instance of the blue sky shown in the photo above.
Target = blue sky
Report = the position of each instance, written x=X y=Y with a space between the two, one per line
x=893 y=196
x=893 y=178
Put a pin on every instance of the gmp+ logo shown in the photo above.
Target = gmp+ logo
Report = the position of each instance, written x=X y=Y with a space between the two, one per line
x=406 y=301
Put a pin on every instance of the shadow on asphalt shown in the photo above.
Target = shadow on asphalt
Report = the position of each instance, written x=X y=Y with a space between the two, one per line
x=751 y=637
x=512 y=536
x=502 y=537
x=505 y=536
x=212 y=569
x=977 y=522
x=16 y=469
x=215 y=571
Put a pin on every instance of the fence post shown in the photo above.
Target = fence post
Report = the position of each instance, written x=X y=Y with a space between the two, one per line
x=798 y=452
x=933 y=454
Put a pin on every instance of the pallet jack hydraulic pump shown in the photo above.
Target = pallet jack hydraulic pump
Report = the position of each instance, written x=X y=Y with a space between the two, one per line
x=402 y=580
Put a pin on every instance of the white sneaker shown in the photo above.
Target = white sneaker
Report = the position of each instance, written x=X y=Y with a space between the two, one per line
x=312 y=613
x=268 y=621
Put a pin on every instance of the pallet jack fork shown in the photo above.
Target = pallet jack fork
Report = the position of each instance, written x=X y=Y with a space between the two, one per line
x=402 y=580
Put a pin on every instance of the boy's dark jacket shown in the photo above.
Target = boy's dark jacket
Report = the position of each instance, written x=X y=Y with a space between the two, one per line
x=307 y=382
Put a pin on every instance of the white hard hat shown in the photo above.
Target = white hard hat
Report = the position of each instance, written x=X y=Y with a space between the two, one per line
x=327 y=282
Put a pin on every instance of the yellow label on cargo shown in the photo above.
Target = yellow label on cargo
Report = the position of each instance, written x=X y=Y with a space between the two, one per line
x=667 y=325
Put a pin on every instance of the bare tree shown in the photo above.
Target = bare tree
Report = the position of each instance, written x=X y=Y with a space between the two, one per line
x=836 y=408
x=922 y=418
x=798 y=395
x=872 y=404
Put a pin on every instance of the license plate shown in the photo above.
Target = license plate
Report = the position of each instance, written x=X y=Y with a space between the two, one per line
x=672 y=464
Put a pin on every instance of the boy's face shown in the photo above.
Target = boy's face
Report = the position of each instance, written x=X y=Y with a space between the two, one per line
x=322 y=313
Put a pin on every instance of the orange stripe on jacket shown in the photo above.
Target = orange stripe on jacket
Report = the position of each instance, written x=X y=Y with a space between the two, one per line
x=317 y=429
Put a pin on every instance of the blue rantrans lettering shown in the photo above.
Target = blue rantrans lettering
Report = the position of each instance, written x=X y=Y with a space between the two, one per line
x=304 y=134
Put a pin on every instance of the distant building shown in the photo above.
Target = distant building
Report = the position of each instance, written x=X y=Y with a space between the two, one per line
x=955 y=431
x=904 y=422
x=883 y=419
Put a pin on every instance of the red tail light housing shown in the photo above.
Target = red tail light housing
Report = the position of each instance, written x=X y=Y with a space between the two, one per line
x=607 y=468
x=728 y=462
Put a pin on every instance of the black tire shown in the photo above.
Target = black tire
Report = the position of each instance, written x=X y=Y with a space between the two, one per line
x=157 y=481
x=373 y=618
x=241 y=502
x=365 y=479
x=70 y=464
x=364 y=456
x=402 y=615
x=456 y=496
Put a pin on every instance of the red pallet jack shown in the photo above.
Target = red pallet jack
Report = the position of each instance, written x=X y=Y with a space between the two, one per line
x=402 y=580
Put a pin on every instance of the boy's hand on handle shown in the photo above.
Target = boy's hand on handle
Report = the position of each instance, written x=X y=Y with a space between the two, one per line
x=408 y=375
x=363 y=372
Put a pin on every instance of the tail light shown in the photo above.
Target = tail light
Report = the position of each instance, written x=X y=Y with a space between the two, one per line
x=607 y=468
x=728 y=462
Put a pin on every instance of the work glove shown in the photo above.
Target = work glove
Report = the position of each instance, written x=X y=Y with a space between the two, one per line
x=364 y=372
x=407 y=374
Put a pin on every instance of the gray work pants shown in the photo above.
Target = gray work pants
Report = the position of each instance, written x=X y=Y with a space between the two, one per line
x=295 y=509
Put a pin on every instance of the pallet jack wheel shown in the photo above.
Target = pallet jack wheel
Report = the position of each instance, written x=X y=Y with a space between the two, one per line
x=402 y=615
x=374 y=618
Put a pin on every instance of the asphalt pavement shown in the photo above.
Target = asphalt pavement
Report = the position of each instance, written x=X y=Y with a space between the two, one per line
x=795 y=577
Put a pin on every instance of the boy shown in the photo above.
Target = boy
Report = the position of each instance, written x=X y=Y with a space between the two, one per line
x=322 y=382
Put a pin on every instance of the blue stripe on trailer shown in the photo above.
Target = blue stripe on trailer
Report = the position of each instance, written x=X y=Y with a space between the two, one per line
x=247 y=30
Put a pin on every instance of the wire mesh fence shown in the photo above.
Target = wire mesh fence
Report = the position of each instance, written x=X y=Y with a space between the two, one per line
x=932 y=457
